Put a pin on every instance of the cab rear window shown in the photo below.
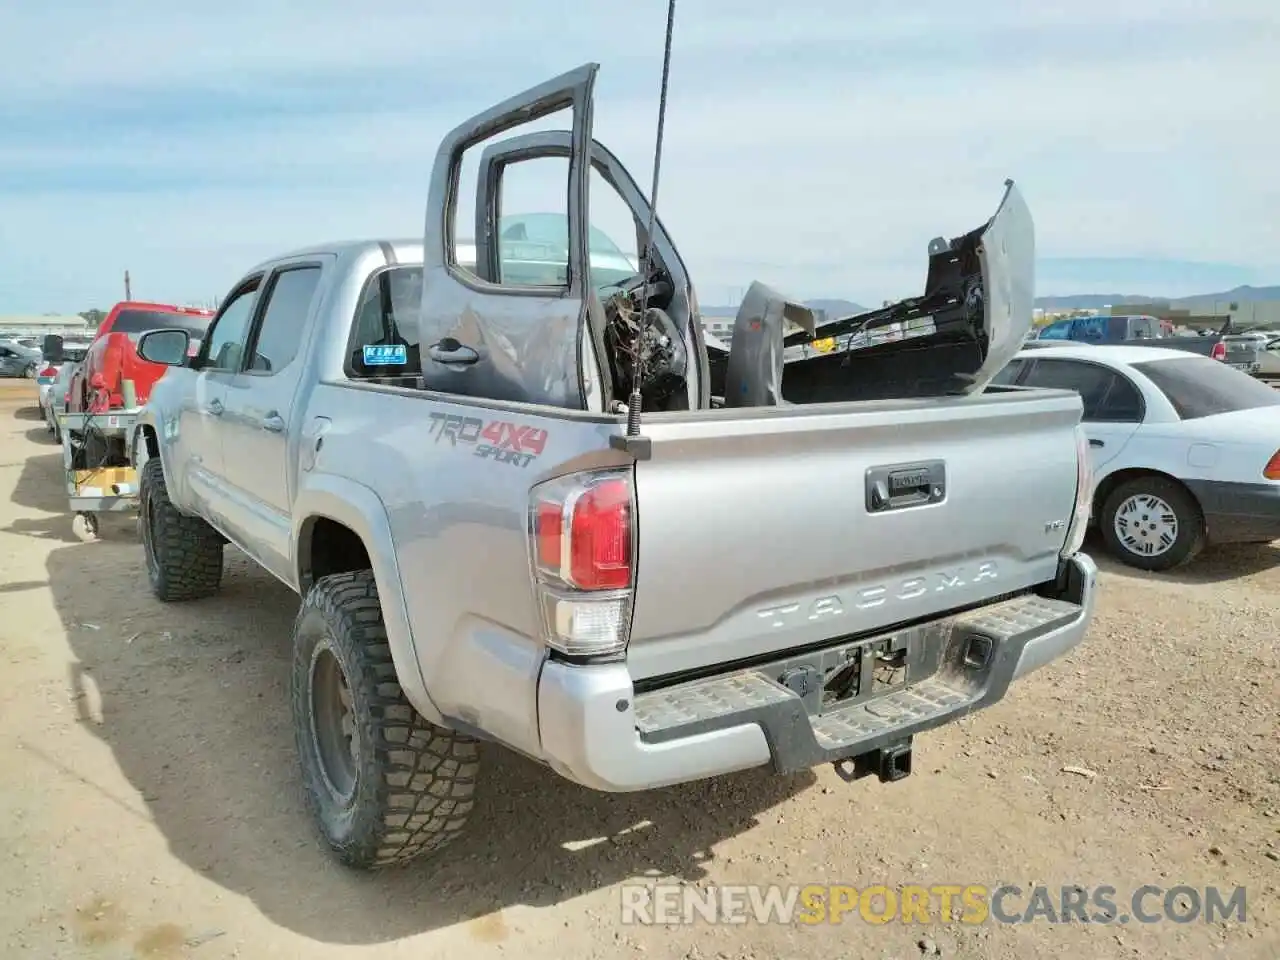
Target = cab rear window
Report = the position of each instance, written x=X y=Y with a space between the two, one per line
x=384 y=335
x=143 y=321
x=1199 y=387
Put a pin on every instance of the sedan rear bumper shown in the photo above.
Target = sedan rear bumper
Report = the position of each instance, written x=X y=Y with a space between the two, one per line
x=1239 y=512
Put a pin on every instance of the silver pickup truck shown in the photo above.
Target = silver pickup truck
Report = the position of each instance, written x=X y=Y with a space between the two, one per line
x=444 y=456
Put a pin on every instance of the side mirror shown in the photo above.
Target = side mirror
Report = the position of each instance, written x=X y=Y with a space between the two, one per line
x=168 y=347
x=52 y=349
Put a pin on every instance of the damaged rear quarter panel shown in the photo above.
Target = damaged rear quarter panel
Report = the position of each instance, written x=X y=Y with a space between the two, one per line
x=455 y=480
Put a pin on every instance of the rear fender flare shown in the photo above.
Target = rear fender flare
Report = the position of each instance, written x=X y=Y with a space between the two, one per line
x=360 y=509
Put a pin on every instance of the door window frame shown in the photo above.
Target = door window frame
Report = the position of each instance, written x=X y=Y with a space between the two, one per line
x=572 y=92
x=200 y=362
x=259 y=316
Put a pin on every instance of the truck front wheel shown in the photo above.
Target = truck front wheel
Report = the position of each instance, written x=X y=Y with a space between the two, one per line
x=183 y=554
x=382 y=784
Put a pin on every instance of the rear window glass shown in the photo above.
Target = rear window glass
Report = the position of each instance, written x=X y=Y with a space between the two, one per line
x=142 y=321
x=1200 y=387
x=1009 y=373
x=71 y=352
x=387 y=315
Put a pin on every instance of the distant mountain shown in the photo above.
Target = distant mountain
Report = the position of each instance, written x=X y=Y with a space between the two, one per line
x=834 y=308
x=1096 y=301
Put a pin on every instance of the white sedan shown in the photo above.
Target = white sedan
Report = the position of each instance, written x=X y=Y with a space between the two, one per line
x=1185 y=450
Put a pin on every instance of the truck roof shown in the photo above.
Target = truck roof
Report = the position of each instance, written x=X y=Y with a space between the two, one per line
x=406 y=249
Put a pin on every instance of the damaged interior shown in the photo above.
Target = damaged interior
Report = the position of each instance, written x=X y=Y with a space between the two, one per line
x=564 y=319
x=971 y=319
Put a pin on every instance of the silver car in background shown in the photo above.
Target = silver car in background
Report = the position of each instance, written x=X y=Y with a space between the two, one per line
x=54 y=381
x=18 y=360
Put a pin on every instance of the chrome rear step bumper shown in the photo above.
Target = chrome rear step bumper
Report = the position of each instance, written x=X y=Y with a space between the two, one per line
x=596 y=731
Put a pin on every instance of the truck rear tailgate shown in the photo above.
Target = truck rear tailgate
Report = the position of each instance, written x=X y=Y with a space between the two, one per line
x=1241 y=351
x=768 y=529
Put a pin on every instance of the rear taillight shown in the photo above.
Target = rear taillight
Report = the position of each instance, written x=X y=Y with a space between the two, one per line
x=581 y=530
x=1219 y=351
x=1079 y=525
x=1272 y=470
x=49 y=371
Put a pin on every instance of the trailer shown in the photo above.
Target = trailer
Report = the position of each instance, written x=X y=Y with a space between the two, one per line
x=95 y=485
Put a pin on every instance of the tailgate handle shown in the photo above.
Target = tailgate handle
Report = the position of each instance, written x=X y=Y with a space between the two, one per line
x=901 y=485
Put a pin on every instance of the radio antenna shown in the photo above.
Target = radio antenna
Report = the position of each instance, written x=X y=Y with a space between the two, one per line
x=646 y=261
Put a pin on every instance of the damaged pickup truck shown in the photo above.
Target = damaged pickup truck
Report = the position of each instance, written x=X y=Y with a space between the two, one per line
x=442 y=455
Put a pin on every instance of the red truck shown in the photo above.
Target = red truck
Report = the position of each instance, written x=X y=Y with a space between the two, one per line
x=98 y=384
x=113 y=358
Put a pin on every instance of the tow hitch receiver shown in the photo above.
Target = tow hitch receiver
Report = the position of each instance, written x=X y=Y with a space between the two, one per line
x=889 y=763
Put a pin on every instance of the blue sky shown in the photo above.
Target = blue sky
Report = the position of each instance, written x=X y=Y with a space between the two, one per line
x=817 y=145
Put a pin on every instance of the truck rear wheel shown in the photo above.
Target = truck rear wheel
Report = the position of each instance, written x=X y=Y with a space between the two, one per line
x=183 y=554
x=382 y=784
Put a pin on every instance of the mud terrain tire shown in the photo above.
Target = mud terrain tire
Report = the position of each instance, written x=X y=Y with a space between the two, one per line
x=183 y=554
x=382 y=784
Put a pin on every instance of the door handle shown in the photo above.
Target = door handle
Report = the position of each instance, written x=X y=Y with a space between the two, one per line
x=450 y=350
x=273 y=422
x=1096 y=443
x=215 y=407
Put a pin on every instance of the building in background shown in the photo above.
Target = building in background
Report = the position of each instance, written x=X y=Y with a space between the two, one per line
x=40 y=325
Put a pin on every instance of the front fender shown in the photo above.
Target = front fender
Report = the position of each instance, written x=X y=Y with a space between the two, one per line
x=150 y=439
x=360 y=509
x=145 y=440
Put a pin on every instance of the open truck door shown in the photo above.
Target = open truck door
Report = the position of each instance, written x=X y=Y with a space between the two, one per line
x=669 y=275
x=479 y=335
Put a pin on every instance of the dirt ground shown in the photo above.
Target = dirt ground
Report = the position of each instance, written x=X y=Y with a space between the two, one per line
x=149 y=806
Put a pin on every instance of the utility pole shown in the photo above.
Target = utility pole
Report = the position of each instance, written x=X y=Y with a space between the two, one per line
x=128 y=290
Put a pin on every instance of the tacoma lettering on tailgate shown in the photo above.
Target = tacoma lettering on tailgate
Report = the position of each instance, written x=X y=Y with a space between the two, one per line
x=864 y=598
x=499 y=440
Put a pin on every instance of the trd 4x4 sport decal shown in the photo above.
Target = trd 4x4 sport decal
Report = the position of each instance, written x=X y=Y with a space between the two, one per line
x=498 y=440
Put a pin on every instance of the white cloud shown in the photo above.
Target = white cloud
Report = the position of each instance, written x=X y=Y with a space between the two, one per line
x=816 y=145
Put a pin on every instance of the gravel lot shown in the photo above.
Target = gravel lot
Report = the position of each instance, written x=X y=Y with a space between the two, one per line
x=149 y=806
